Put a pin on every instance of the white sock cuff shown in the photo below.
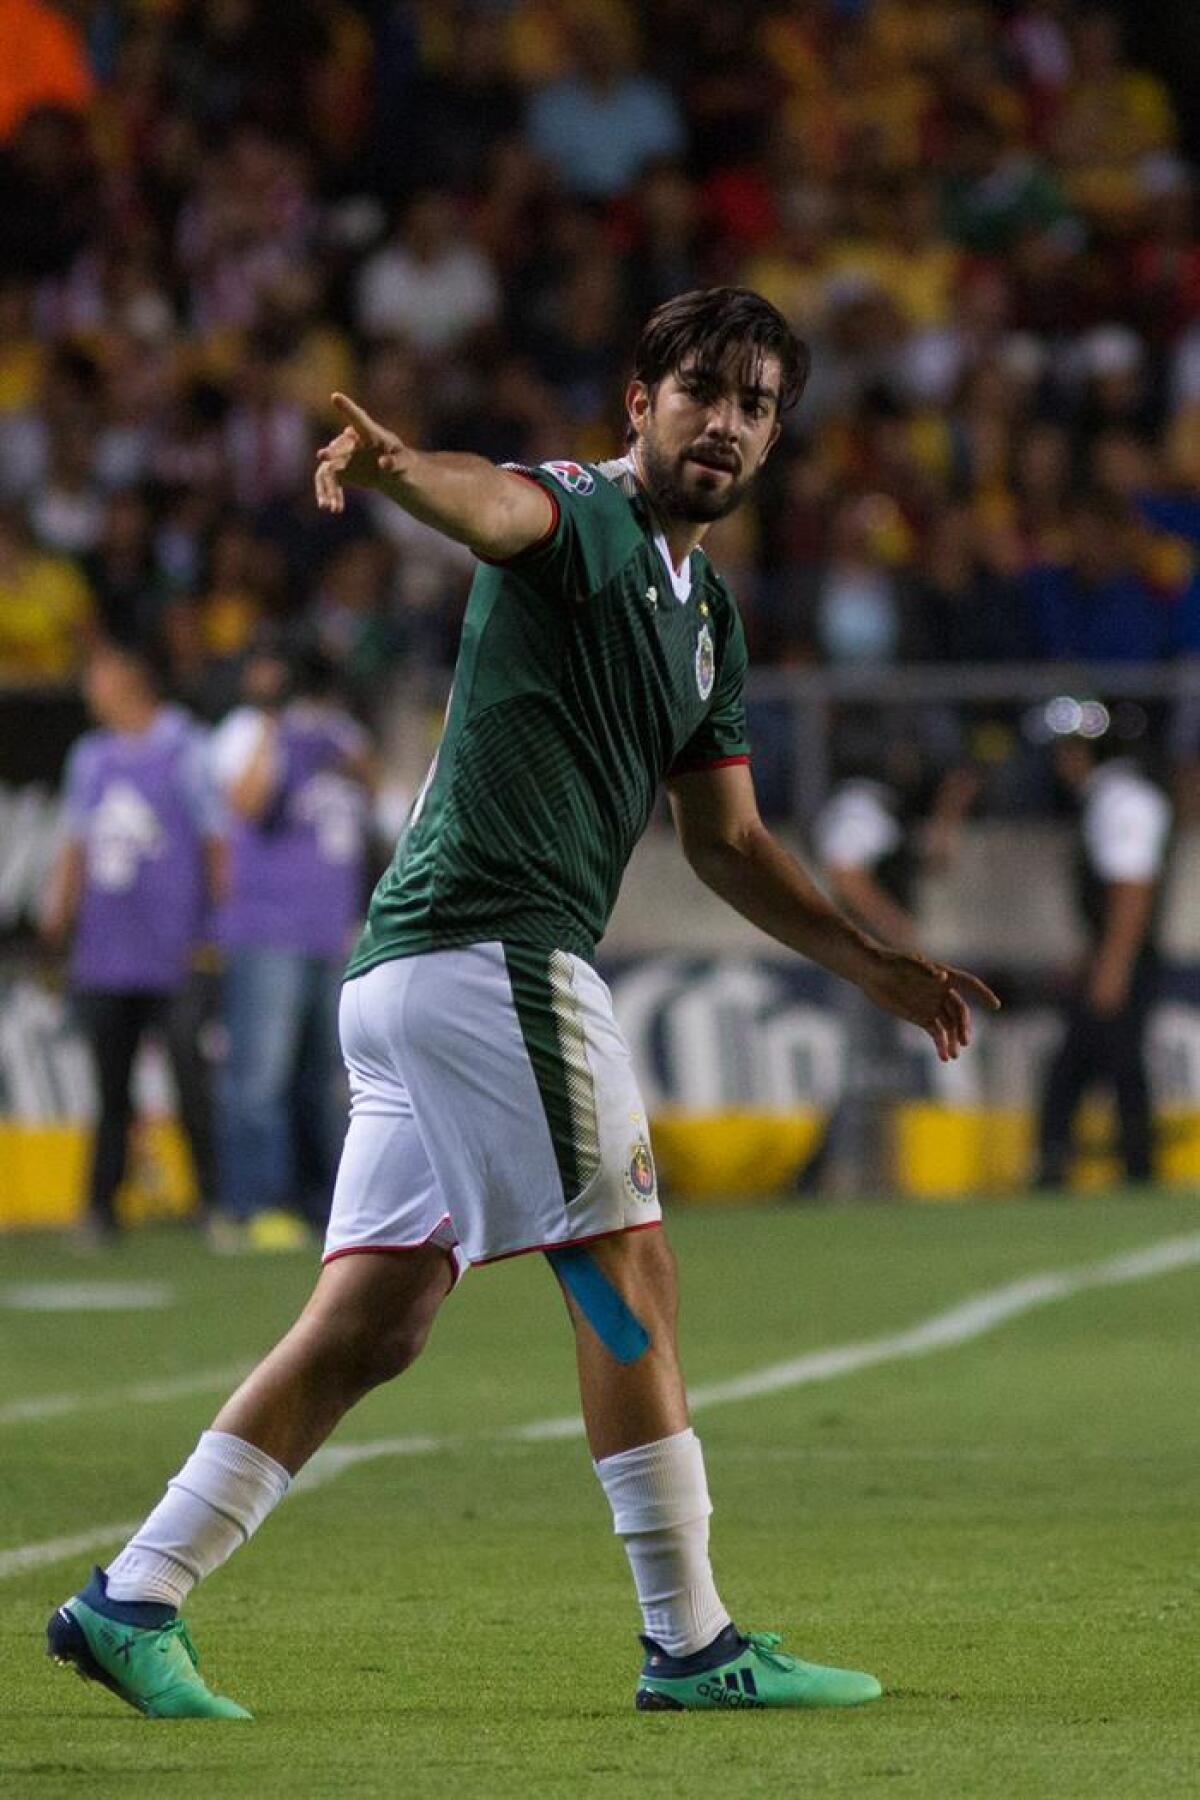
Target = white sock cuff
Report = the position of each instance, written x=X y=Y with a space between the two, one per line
x=249 y=1482
x=656 y=1486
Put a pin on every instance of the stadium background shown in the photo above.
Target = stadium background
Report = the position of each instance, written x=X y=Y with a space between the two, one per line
x=982 y=217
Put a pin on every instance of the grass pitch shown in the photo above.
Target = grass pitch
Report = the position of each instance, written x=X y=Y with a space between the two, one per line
x=1004 y=1529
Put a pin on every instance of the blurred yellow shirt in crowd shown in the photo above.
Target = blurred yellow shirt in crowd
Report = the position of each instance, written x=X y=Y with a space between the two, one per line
x=45 y=618
x=920 y=285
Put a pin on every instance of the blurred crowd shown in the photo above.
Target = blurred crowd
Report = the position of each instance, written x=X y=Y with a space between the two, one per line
x=214 y=212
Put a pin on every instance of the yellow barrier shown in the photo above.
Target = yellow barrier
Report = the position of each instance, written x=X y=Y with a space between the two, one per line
x=43 y=1170
x=944 y=1152
x=706 y=1156
x=938 y=1153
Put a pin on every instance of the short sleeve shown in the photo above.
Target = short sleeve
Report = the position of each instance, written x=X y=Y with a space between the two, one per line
x=721 y=738
x=348 y=737
x=232 y=746
x=199 y=785
x=855 y=830
x=1126 y=829
x=590 y=537
x=75 y=785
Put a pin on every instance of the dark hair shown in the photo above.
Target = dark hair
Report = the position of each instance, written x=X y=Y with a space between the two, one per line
x=148 y=659
x=718 y=332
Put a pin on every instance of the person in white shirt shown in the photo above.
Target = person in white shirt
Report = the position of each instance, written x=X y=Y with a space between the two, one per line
x=884 y=826
x=1124 y=830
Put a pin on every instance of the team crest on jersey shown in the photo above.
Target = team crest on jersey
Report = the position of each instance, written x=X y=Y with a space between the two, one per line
x=706 y=662
x=640 y=1182
x=571 y=475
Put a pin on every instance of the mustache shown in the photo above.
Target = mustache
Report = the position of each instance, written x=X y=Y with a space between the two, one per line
x=714 y=457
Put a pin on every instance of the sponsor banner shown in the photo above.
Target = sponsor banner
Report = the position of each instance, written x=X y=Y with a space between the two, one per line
x=731 y=1033
x=740 y=1060
x=707 y=1034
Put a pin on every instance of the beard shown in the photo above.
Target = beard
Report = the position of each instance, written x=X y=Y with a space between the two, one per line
x=681 y=489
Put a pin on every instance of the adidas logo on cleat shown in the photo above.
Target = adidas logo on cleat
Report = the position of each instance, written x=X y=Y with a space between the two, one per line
x=737 y=1688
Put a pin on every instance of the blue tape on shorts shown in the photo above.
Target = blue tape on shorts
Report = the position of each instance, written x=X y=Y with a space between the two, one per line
x=618 y=1328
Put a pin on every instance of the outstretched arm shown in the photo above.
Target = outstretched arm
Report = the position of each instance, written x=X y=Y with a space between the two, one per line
x=732 y=851
x=496 y=513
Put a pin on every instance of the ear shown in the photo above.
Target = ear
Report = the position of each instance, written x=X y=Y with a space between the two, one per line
x=771 y=443
x=637 y=404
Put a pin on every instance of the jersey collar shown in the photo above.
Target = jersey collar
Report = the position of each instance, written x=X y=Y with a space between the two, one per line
x=621 y=472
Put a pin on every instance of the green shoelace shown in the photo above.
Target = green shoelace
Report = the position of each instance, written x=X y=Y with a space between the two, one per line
x=766 y=1644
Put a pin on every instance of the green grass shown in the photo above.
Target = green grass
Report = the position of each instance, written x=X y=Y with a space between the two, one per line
x=1004 y=1531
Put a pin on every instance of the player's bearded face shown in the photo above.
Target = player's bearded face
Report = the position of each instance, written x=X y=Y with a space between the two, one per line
x=699 y=452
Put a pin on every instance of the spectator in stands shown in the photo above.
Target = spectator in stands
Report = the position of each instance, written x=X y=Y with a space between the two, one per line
x=66 y=512
x=1124 y=825
x=852 y=608
x=454 y=114
x=44 y=63
x=978 y=214
x=968 y=599
x=292 y=768
x=46 y=613
x=48 y=194
x=1102 y=604
x=127 y=580
x=600 y=126
x=995 y=192
x=429 y=286
x=132 y=888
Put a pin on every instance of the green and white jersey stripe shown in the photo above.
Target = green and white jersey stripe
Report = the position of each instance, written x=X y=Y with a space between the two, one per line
x=553 y=1029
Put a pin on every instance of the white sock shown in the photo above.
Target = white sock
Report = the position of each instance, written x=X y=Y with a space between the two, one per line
x=221 y=1495
x=659 y=1498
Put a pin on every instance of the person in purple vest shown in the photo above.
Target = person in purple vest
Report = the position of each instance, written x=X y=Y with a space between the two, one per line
x=293 y=770
x=132 y=888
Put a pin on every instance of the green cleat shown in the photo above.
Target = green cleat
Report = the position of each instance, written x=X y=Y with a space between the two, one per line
x=745 y=1671
x=152 y=1666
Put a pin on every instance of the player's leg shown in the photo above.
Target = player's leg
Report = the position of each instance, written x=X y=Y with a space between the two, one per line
x=318 y=1104
x=182 y=1020
x=627 y=1404
x=651 y=1466
x=263 y=995
x=388 y=1268
x=528 y=1106
x=366 y=1321
x=1123 y=1047
x=1071 y=1069
x=112 y=1024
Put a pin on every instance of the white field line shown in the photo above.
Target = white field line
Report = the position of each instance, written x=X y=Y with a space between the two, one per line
x=140 y=1393
x=970 y=1319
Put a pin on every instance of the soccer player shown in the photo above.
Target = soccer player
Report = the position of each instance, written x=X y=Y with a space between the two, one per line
x=494 y=1107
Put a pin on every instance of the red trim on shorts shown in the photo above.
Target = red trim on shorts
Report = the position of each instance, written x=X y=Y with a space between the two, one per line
x=400 y=1250
x=502 y=562
x=720 y=762
x=568 y=1243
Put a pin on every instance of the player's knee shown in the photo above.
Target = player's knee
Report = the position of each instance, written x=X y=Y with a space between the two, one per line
x=362 y=1349
x=369 y=1354
x=397 y=1350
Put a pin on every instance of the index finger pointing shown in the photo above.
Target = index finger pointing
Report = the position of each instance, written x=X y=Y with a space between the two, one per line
x=961 y=978
x=363 y=423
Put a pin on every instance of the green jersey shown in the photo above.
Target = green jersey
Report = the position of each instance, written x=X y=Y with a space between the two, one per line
x=588 y=670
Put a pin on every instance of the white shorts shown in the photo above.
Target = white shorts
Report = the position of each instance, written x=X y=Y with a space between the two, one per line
x=493 y=1108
